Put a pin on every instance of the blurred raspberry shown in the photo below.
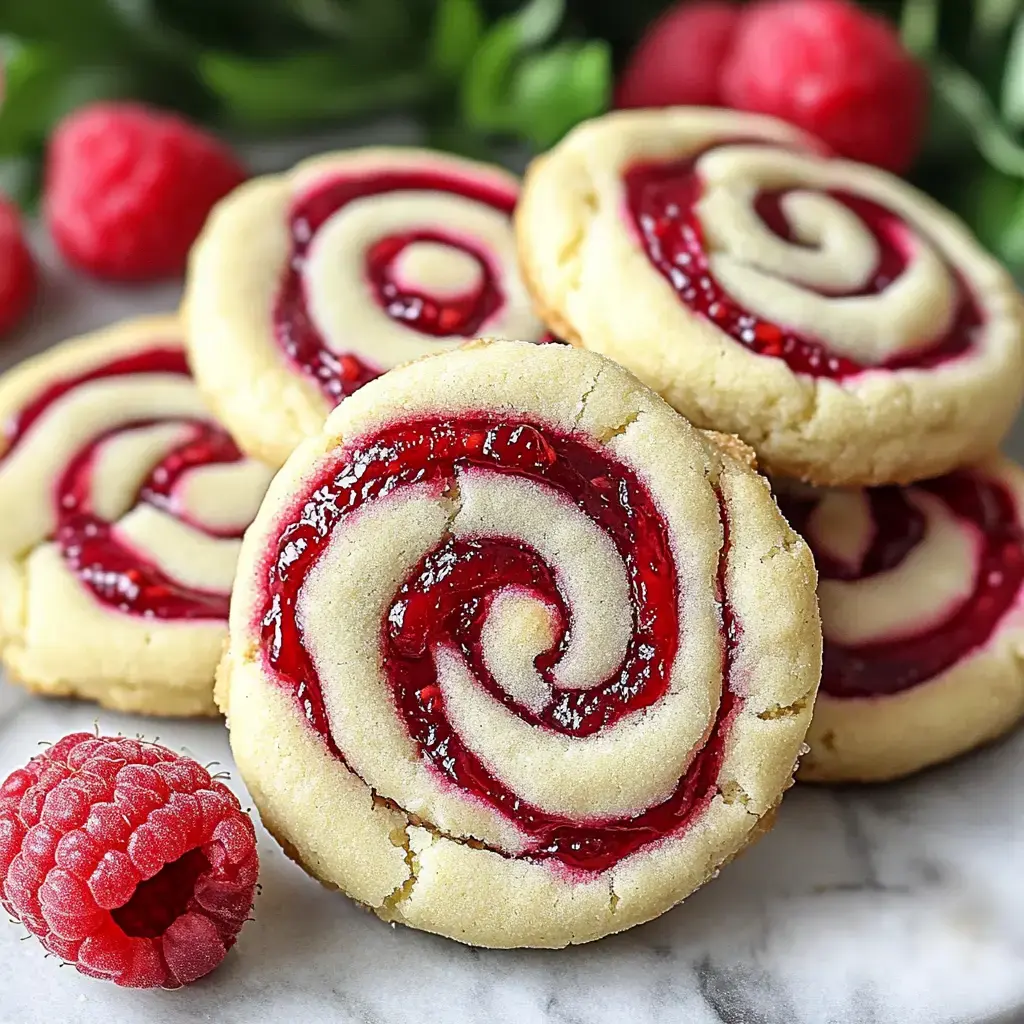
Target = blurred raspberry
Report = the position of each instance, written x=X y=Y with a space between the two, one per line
x=677 y=62
x=18 y=276
x=834 y=70
x=126 y=860
x=128 y=189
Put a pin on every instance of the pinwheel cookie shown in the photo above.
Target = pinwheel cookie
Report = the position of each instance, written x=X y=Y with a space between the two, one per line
x=306 y=285
x=922 y=607
x=517 y=655
x=844 y=325
x=123 y=507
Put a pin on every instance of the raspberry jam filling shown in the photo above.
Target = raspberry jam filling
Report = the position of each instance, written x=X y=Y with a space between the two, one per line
x=888 y=667
x=446 y=601
x=662 y=200
x=115 y=573
x=340 y=374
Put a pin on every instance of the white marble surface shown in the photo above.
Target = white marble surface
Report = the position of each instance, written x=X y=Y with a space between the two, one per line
x=897 y=905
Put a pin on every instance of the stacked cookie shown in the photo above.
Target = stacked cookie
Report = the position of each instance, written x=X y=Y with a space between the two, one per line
x=506 y=661
x=124 y=503
x=517 y=653
x=855 y=335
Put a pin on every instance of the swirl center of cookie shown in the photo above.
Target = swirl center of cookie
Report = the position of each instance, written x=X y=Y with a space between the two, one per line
x=435 y=285
x=527 y=634
x=388 y=265
x=441 y=269
x=774 y=249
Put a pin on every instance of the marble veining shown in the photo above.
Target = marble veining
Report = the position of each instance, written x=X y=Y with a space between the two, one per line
x=896 y=905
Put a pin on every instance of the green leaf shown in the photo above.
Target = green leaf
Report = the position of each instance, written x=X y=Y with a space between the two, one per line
x=485 y=92
x=538 y=20
x=556 y=89
x=919 y=26
x=1012 y=100
x=324 y=17
x=994 y=17
x=458 y=26
x=1009 y=246
x=968 y=99
x=484 y=84
x=993 y=204
x=81 y=27
x=33 y=78
x=311 y=86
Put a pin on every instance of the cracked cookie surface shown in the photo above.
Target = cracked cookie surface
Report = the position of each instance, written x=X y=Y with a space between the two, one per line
x=840 y=322
x=124 y=505
x=922 y=605
x=305 y=285
x=517 y=654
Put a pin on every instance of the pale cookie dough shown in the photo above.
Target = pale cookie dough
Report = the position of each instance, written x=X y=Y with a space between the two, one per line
x=840 y=322
x=304 y=285
x=123 y=505
x=414 y=717
x=922 y=606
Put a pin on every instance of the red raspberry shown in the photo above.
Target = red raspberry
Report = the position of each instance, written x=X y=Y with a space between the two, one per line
x=126 y=860
x=834 y=70
x=18 y=276
x=678 y=59
x=128 y=189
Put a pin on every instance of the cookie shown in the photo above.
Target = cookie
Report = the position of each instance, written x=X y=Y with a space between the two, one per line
x=306 y=285
x=517 y=655
x=922 y=606
x=124 y=505
x=840 y=322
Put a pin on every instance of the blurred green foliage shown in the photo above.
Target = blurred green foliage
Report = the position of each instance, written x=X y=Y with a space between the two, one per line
x=474 y=72
x=471 y=70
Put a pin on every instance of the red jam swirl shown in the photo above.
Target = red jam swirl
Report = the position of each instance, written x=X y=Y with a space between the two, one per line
x=340 y=374
x=116 y=574
x=891 y=666
x=662 y=199
x=446 y=600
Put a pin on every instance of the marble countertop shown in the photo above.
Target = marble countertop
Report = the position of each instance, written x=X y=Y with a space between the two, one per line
x=896 y=905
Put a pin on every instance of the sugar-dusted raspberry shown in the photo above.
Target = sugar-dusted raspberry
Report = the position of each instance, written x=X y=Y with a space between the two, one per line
x=128 y=189
x=126 y=859
x=18 y=275
x=678 y=60
x=835 y=70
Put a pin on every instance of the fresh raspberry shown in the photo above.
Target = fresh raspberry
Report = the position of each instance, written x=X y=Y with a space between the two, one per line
x=834 y=70
x=126 y=860
x=678 y=59
x=18 y=276
x=128 y=189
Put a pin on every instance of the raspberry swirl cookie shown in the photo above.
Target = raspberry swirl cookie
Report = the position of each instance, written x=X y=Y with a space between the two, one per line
x=306 y=285
x=836 y=319
x=517 y=655
x=124 y=505
x=922 y=606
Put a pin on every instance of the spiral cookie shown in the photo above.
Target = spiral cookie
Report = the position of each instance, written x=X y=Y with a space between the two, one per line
x=840 y=322
x=922 y=606
x=305 y=286
x=124 y=504
x=517 y=655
